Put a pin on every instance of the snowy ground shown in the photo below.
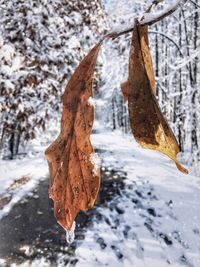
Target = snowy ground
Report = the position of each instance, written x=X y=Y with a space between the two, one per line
x=154 y=220
x=18 y=177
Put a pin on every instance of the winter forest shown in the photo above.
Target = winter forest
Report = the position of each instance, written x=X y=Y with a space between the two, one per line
x=146 y=212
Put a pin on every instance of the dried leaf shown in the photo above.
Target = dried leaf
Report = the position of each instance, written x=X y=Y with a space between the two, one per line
x=75 y=178
x=148 y=124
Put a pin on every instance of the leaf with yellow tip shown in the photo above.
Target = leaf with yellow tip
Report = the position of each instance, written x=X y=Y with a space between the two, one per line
x=148 y=124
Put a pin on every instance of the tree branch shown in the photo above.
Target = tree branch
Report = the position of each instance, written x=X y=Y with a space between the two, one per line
x=154 y=4
x=170 y=39
x=194 y=3
x=150 y=19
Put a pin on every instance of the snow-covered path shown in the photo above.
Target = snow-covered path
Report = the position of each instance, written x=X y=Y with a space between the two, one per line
x=156 y=219
x=153 y=220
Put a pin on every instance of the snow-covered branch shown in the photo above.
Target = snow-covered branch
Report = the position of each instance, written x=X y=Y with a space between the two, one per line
x=151 y=18
x=185 y=61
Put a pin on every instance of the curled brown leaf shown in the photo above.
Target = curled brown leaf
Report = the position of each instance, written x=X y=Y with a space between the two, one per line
x=148 y=124
x=75 y=176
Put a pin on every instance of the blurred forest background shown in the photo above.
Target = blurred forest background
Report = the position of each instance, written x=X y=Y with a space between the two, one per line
x=42 y=42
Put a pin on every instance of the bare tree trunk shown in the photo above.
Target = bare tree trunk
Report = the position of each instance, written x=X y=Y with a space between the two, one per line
x=194 y=95
x=113 y=113
x=156 y=58
x=11 y=145
x=17 y=143
x=181 y=136
x=194 y=144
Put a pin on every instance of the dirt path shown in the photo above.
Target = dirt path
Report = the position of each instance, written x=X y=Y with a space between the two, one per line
x=30 y=231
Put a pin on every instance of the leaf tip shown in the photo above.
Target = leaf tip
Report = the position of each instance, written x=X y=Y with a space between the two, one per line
x=181 y=168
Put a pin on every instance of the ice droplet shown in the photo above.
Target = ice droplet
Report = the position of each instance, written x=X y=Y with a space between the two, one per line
x=70 y=234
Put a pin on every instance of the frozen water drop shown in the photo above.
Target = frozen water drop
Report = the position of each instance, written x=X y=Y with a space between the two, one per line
x=70 y=234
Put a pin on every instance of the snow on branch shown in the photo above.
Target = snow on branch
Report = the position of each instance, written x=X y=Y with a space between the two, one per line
x=150 y=18
x=182 y=63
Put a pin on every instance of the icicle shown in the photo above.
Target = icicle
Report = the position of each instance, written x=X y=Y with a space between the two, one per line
x=70 y=234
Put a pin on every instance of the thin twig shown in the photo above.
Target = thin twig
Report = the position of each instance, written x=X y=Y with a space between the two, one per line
x=193 y=2
x=154 y=4
x=170 y=39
